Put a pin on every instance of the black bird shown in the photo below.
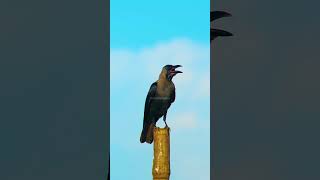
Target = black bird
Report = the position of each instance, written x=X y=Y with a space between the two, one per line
x=160 y=96
x=217 y=32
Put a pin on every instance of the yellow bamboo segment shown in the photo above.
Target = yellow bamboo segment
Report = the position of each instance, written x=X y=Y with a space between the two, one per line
x=161 y=159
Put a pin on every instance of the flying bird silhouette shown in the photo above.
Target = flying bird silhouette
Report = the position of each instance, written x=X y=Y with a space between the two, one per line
x=214 y=33
x=160 y=96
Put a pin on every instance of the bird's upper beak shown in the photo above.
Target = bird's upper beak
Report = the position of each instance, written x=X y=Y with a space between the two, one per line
x=173 y=71
x=218 y=14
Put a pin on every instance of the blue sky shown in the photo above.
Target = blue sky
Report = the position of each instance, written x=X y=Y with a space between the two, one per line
x=135 y=24
x=146 y=35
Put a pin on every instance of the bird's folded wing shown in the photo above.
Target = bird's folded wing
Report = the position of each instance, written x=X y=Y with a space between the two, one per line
x=151 y=94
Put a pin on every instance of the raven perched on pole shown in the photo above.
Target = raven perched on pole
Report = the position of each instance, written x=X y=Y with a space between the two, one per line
x=217 y=32
x=160 y=96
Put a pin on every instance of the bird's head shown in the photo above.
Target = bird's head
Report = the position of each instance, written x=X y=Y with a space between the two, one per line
x=169 y=71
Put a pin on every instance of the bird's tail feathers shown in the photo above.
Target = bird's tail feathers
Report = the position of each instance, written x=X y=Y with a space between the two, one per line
x=147 y=134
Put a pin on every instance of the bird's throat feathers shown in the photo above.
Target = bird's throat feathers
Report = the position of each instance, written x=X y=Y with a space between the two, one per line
x=164 y=87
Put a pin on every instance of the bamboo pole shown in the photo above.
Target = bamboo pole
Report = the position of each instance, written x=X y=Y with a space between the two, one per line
x=161 y=159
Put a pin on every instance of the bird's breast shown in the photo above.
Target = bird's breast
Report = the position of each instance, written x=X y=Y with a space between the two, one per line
x=164 y=92
x=165 y=89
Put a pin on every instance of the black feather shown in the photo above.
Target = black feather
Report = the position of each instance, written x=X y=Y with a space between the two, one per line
x=146 y=121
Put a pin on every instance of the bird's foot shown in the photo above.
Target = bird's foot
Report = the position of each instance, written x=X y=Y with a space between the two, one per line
x=166 y=125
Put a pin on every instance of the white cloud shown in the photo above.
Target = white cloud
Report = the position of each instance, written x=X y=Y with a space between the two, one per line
x=186 y=120
x=203 y=87
x=146 y=63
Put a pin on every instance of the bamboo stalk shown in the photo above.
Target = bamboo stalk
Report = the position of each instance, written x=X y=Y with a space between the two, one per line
x=161 y=159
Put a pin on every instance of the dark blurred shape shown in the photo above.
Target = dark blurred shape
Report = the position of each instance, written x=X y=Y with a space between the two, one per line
x=214 y=33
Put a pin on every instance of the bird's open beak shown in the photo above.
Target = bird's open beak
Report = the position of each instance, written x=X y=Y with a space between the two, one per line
x=173 y=71
x=214 y=33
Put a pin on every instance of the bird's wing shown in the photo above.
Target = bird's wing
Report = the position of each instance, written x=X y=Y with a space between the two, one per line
x=218 y=14
x=152 y=93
